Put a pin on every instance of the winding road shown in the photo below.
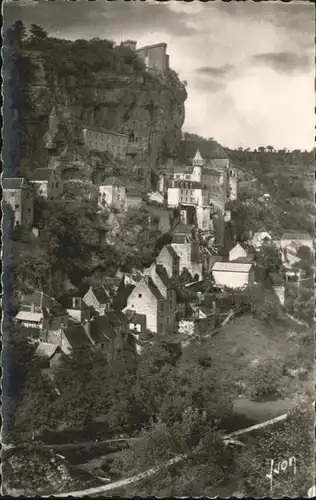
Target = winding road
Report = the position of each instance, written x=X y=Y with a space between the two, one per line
x=229 y=438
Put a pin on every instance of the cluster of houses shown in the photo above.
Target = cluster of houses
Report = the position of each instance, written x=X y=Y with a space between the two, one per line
x=204 y=188
x=19 y=193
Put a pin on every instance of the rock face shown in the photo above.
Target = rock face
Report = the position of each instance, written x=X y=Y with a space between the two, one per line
x=61 y=104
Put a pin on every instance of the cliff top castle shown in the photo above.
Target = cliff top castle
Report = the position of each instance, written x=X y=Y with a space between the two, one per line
x=154 y=56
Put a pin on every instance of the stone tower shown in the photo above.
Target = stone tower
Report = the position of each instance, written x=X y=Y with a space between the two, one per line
x=233 y=184
x=197 y=163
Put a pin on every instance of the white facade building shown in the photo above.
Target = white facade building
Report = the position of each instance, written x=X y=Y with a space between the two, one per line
x=233 y=274
x=112 y=193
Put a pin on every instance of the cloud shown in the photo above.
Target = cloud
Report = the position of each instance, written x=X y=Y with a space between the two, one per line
x=284 y=62
x=293 y=19
x=83 y=19
x=215 y=71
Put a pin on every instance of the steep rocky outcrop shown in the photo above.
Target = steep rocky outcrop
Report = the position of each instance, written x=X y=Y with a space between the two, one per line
x=64 y=98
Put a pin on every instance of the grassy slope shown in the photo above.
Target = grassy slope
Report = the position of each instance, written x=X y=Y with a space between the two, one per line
x=245 y=342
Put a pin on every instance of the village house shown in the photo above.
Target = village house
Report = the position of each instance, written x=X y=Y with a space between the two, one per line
x=166 y=287
x=147 y=299
x=19 y=195
x=233 y=274
x=100 y=139
x=97 y=298
x=192 y=258
x=39 y=311
x=261 y=238
x=299 y=238
x=136 y=322
x=110 y=333
x=239 y=251
x=183 y=233
x=133 y=198
x=47 y=182
x=170 y=260
x=156 y=197
x=50 y=356
x=76 y=308
x=112 y=194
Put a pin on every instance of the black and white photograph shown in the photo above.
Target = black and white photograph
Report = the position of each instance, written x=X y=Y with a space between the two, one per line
x=158 y=248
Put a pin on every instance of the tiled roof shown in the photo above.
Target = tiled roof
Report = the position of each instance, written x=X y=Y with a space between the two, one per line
x=40 y=301
x=67 y=302
x=172 y=252
x=232 y=267
x=180 y=238
x=153 y=288
x=29 y=316
x=12 y=182
x=100 y=294
x=247 y=259
x=122 y=295
x=296 y=235
x=134 y=317
x=162 y=273
x=104 y=327
x=46 y=350
x=77 y=336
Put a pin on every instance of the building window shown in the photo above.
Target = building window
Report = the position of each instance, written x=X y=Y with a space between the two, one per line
x=29 y=210
x=57 y=184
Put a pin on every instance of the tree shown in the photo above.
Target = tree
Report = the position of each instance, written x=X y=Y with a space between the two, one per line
x=19 y=32
x=266 y=381
x=268 y=263
x=292 y=438
x=34 y=412
x=263 y=304
x=38 y=34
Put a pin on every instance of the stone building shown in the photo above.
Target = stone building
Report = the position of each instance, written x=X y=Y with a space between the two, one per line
x=97 y=298
x=170 y=260
x=147 y=299
x=133 y=197
x=164 y=284
x=217 y=180
x=154 y=56
x=38 y=310
x=112 y=193
x=47 y=182
x=100 y=139
x=233 y=274
x=19 y=195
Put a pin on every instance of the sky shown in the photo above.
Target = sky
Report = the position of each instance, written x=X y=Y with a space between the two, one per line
x=249 y=66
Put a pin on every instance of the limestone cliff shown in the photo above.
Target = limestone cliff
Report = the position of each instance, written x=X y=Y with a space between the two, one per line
x=65 y=96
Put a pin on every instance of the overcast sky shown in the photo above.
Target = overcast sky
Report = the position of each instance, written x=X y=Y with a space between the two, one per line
x=249 y=66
